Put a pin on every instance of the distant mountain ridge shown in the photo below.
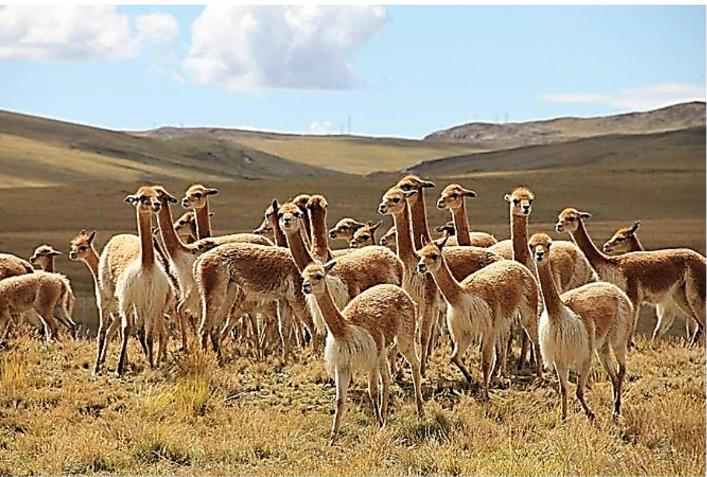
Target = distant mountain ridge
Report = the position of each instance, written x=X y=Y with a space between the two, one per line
x=493 y=136
x=681 y=151
x=38 y=152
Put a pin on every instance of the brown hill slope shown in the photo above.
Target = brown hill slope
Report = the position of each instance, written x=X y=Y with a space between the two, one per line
x=677 y=150
x=345 y=153
x=491 y=136
x=36 y=151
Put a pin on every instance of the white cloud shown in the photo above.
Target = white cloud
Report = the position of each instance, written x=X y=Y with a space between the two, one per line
x=77 y=33
x=157 y=27
x=248 y=47
x=649 y=97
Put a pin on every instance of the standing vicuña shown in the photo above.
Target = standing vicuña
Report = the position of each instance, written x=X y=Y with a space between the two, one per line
x=143 y=288
x=359 y=337
x=592 y=318
x=485 y=303
x=646 y=277
x=39 y=291
x=626 y=240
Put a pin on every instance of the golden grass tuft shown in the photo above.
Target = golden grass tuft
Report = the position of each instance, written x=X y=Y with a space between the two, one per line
x=192 y=417
x=14 y=377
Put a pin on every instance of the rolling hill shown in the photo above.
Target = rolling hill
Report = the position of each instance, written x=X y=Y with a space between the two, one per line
x=682 y=150
x=350 y=154
x=492 y=136
x=36 y=151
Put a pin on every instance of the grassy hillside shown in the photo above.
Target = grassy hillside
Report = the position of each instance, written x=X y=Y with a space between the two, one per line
x=674 y=151
x=492 y=136
x=264 y=418
x=38 y=151
x=258 y=416
x=351 y=154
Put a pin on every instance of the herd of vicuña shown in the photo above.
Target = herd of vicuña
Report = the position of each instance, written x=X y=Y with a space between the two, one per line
x=283 y=286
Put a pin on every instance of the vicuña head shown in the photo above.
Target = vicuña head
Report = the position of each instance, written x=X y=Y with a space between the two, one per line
x=621 y=240
x=393 y=201
x=146 y=200
x=289 y=216
x=42 y=255
x=196 y=196
x=388 y=238
x=314 y=277
x=431 y=255
x=317 y=203
x=344 y=229
x=569 y=219
x=80 y=246
x=452 y=197
x=414 y=184
x=163 y=196
x=446 y=229
x=365 y=235
x=540 y=247
x=521 y=201
x=301 y=201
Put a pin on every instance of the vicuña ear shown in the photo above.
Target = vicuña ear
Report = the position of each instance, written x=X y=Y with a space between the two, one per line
x=275 y=205
x=170 y=197
x=585 y=215
x=329 y=265
x=468 y=193
x=441 y=243
x=427 y=184
x=91 y=237
x=636 y=225
x=423 y=240
x=212 y=191
x=131 y=199
x=55 y=253
x=409 y=193
x=507 y=197
x=375 y=226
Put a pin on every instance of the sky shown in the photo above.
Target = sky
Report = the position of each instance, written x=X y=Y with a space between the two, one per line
x=386 y=71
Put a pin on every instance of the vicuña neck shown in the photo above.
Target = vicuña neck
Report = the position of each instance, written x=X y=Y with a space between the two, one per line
x=280 y=239
x=335 y=321
x=172 y=243
x=403 y=240
x=50 y=265
x=91 y=262
x=461 y=225
x=144 y=229
x=551 y=297
x=299 y=250
x=635 y=244
x=320 y=242
x=449 y=287
x=519 y=239
x=585 y=244
x=307 y=230
x=203 y=222
x=419 y=221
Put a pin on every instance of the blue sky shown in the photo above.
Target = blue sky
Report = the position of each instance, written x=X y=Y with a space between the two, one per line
x=398 y=71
